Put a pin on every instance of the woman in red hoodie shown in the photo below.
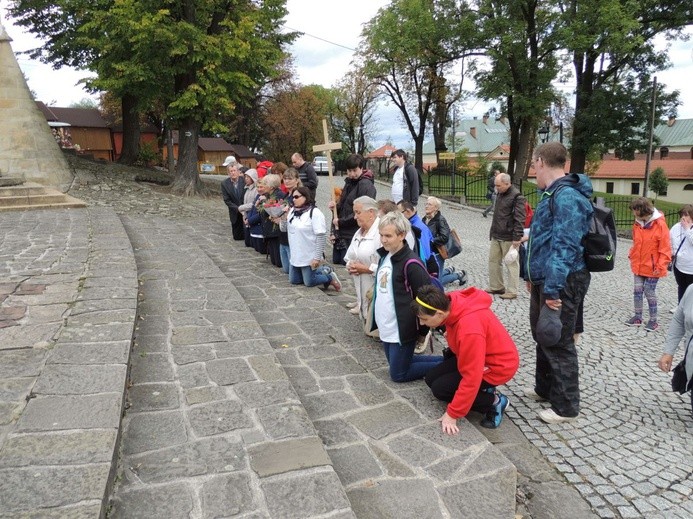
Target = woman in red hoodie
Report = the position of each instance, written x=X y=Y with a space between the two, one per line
x=483 y=354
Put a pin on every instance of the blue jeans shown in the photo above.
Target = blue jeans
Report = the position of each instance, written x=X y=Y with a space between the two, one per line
x=404 y=365
x=285 y=255
x=444 y=276
x=309 y=277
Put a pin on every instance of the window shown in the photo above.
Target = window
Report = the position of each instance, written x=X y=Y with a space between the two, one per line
x=688 y=187
x=663 y=152
x=609 y=187
x=635 y=188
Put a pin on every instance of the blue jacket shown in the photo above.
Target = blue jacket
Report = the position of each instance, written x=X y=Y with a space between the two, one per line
x=254 y=220
x=425 y=237
x=555 y=237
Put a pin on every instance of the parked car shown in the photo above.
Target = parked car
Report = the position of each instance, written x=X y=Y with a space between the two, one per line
x=320 y=165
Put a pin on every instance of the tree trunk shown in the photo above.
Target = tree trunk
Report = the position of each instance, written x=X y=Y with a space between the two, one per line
x=522 y=158
x=131 y=130
x=418 y=151
x=584 y=74
x=170 y=159
x=187 y=181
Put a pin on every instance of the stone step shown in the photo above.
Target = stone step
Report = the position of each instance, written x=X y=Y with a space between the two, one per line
x=25 y=189
x=35 y=196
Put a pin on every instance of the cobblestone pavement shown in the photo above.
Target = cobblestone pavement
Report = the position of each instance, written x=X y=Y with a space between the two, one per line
x=630 y=452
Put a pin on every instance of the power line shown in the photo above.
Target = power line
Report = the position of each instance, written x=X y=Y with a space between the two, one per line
x=321 y=39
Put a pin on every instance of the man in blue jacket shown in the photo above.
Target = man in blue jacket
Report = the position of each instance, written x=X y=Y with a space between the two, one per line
x=558 y=280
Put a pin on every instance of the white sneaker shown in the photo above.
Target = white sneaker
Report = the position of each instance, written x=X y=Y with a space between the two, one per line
x=355 y=311
x=533 y=395
x=352 y=305
x=673 y=310
x=550 y=416
x=336 y=284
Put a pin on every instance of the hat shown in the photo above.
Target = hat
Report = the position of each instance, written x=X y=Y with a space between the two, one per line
x=252 y=173
x=549 y=327
x=229 y=160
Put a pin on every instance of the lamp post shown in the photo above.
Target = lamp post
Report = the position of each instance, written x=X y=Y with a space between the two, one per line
x=543 y=132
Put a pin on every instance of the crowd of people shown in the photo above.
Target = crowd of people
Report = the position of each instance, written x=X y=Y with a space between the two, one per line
x=394 y=259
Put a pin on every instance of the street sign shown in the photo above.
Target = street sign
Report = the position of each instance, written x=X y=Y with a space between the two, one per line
x=446 y=156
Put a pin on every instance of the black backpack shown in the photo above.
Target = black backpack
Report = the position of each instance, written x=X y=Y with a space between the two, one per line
x=600 y=241
x=419 y=176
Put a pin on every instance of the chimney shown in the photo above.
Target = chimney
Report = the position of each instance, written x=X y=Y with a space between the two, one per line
x=485 y=119
x=671 y=121
x=472 y=131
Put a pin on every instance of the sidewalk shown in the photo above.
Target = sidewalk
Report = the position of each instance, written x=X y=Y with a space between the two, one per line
x=256 y=398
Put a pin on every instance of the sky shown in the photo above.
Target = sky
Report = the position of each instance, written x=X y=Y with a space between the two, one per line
x=332 y=29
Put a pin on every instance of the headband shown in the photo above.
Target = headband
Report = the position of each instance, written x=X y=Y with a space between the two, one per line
x=425 y=305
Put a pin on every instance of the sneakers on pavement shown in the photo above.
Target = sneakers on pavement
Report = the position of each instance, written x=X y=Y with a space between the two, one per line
x=508 y=295
x=672 y=310
x=533 y=395
x=355 y=311
x=462 y=278
x=352 y=305
x=494 y=417
x=491 y=291
x=550 y=416
x=634 y=321
x=335 y=283
x=651 y=326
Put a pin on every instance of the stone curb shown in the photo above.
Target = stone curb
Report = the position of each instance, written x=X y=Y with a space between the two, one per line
x=59 y=460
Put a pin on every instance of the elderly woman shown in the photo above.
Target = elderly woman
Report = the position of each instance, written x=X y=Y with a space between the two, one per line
x=393 y=293
x=250 y=179
x=681 y=327
x=362 y=255
x=440 y=230
x=307 y=230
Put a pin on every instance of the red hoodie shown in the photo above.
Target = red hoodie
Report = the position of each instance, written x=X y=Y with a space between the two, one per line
x=483 y=347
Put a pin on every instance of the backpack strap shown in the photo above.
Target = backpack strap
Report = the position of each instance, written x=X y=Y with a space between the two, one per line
x=407 y=286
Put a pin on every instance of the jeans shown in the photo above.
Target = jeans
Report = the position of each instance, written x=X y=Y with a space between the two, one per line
x=682 y=281
x=285 y=254
x=444 y=276
x=444 y=380
x=404 y=365
x=309 y=277
x=557 y=375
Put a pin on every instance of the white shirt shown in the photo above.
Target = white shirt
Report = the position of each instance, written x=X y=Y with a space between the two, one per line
x=684 y=259
x=304 y=233
x=363 y=247
x=398 y=185
x=385 y=315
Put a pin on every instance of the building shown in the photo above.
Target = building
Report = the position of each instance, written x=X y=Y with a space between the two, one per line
x=211 y=152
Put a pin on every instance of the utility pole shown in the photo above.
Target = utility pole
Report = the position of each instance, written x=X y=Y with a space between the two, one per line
x=649 y=140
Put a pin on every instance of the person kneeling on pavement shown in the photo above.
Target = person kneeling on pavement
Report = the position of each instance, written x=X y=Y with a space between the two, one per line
x=481 y=354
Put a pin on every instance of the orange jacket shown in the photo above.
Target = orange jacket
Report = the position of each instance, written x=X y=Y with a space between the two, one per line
x=651 y=250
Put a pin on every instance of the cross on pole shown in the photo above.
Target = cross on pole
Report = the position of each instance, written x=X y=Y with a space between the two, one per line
x=327 y=147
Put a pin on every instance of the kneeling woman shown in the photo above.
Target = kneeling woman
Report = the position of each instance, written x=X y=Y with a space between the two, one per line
x=484 y=354
x=394 y=292
x=307 y=230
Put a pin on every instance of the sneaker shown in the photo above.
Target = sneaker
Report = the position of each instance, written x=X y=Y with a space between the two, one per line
x=550 y=416
x=352 y=305
x=493 y=418
x=491 y=291
x=508 y=295
x=355 y=311
x=633 y=321
x=462 y=278
x=533 y=395
x=651 y=326
x=336 y=284
x=673 y=309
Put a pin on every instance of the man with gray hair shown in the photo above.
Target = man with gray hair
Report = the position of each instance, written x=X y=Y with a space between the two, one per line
x=506 y=234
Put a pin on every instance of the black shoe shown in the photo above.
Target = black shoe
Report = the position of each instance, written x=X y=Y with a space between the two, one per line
x=462 y=278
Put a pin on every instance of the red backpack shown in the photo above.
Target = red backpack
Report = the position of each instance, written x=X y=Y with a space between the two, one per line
x=528 y=214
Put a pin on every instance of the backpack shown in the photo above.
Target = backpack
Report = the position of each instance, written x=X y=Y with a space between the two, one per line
x=433 y=280
x=600 y=241
x=419 y=176
x=528 y=214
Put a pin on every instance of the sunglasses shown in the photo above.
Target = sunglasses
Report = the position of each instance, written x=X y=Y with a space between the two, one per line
x=296 y=197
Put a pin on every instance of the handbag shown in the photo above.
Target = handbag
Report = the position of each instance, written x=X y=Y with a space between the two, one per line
x=452 y=248
x=679 y=380
x=670 y=266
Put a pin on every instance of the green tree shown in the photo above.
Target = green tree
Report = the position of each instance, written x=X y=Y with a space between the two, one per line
x=613 y=57
x=85 y=102
x=354 y=109
x=407 y=49
x=658 y=182
x=522 y=44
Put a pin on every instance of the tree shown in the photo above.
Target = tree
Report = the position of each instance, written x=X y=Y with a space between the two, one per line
x=522 y=45
x=407 y=49
x=354 y=108
x=610 y=42
x=293 y=121
x=85 y=102
x=658 y=182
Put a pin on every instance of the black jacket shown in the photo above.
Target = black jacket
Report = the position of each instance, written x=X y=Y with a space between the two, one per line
x=411 y=184
x=508 y=216
x=308 y=177
x=353 y=189
x=439 y=228
x=233 y=196
x=269 y=228
x=407 y=323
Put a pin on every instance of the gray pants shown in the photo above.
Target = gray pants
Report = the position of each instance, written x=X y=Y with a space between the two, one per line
x=556 y=375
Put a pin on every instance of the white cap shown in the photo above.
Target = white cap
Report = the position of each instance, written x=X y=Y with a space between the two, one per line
x=229 y=160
